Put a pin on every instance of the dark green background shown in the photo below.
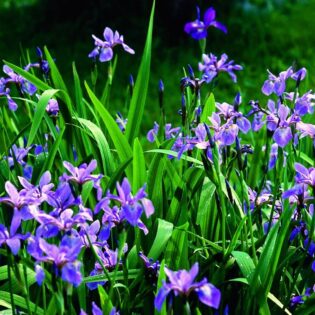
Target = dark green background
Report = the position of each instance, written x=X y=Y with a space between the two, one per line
x=261 y=34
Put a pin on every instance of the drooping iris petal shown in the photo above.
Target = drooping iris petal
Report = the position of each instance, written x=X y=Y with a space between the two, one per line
x=161 y=296
x=106 y=54
x=209 y=295
x=39 y=274
x=267 y=87
x=71 y=273
x=243 y=124
x=220 y=26
x=282 y=136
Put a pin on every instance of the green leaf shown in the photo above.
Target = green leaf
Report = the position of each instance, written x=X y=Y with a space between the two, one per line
x=163 y=234
x=78 y=93
x=139 y=95
x=106 y=155
x=208 y=109
x=235 y=238
x=176 y=254
x=245 y=263
x=55 y=74
x=39 y=113
x=119 y=275
x=120 y=142
x=53 y=152
x=106 y=303
x=175 y=154
x=20 y=302
x=139 y=169
x=205 y=213
x=117 y=175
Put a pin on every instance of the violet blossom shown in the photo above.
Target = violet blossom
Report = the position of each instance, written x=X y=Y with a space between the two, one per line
x=279 y=122
x=198 y=29
x=131 y=207
x=182 y=283
x=63 y=257
x=211 y=67
x=10 y=237
x=152 y=267
x=104 y=49
x=304 y=175
x=169 y=132
x=82 y=174
x=42 y=64
x=109 y=259
x=122 y=122
x=277 y=85
x=24 y=85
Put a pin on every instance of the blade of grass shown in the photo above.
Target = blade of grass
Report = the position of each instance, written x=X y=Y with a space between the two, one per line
x=120 y=142
x=39 y=113
x=139 y=95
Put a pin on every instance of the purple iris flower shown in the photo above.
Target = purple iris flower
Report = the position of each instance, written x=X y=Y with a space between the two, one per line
x=198 y=29
x=11 y=103
x=306 y=130
x=273 y=156
x=300 y=299
x=10 y=237
x=95 y=310
x=66 y=221
x=82 y=174
x=257 y=201
x=132 y=207
x=152 y=133
x=169 y=132
x=228 y=112
x=304 y=175
x=18 y=154
x=211 y=67
x=24 y=85
x=277 y=85
x=39 y=274
x=43 y=64
x=37 y=194
x=18 y=201
x=52 y=107
x=109 y=259
x=258 y=121
x=303 y=104
x=182 y=283
x=299 y=75
x=64 y=257
x=104 y=49
x=181 y=145
x=62 y=199
x=89 y=232
x=279 y=122
x=122 y=122
x=226 y=134
x=152 y=267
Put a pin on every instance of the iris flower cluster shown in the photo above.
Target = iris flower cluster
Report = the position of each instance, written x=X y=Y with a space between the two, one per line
x=69 y=220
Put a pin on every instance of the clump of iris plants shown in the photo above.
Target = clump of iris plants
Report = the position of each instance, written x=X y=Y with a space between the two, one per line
x=211 y=214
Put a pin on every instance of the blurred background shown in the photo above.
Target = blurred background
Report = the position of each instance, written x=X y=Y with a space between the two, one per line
x=262 y=34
